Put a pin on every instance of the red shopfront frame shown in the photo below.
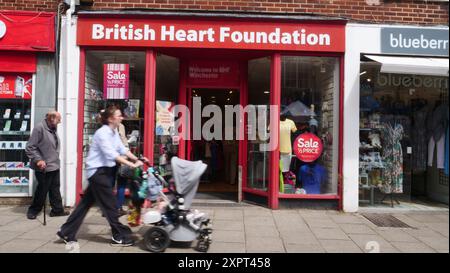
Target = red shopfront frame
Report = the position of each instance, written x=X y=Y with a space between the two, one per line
x=272 y=194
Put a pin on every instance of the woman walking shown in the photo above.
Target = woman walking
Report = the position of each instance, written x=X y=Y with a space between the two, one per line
x=106 y=150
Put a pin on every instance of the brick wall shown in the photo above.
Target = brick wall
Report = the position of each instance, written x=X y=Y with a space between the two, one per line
x=30 y=5
x=387 y=11
x=372 y=11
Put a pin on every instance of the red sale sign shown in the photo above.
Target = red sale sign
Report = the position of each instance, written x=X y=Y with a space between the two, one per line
x=308 y=147
x=16 y=86
x=116 y=80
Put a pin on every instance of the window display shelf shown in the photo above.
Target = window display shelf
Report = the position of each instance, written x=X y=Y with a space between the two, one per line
x=14 y=133
x=370 y=148
x=14 y=185
x=15 y=169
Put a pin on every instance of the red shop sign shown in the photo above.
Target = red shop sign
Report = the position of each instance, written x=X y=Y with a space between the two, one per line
x=308 y=147
x=15 y=86
x=203 y=33
x=207 y=73
x=26 y=30
x=116 y=80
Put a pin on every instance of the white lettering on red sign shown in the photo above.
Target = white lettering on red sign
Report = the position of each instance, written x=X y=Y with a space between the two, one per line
x=225 y=35
x=2 y=29
x=308 y=147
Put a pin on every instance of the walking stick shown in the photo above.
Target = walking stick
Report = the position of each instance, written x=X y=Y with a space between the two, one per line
x=45 y=201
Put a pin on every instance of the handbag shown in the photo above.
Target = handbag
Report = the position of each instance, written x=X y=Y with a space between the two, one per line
x=126 y=172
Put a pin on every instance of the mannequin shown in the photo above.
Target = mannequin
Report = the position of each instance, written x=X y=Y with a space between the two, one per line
x=287 y=127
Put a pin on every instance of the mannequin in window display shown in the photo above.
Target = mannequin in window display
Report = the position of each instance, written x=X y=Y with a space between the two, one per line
x=287 y=126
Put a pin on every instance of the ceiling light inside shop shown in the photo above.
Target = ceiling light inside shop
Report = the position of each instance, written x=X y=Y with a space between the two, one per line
x=266 y=92
x=231 y=92
x=323 y=68
x=362 y=73
x=369 y=79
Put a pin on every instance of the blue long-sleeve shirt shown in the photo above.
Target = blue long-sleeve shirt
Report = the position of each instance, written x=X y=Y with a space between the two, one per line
x=105 y=148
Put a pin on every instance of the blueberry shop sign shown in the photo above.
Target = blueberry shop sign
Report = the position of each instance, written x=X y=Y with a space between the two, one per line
x=414 y=41
x=308 y=147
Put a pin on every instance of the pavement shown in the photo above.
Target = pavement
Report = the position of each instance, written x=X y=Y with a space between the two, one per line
x=245 y=228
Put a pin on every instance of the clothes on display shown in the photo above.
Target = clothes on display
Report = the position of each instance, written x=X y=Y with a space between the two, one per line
x=419 y=139
x=312 y=177
x=440 y=151
x=287 y=127
x=437 y=121
x=286 y=160
x=392 y=158
x=446 y=153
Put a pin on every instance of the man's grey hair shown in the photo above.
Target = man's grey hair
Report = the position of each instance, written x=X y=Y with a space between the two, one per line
x=52 y=114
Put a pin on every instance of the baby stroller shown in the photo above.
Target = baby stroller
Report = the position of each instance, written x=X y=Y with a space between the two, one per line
x=175 y=221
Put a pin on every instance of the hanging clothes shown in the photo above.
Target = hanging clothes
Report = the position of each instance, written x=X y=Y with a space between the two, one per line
x=419 y=139
x=393 y=158
x=446 y=154
x=312 y=177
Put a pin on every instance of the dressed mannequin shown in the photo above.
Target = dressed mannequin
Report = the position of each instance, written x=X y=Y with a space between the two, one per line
x=287 y=127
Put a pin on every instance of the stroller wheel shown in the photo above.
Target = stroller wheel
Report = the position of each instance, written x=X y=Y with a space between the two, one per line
x=156 y=239
x=202 y=245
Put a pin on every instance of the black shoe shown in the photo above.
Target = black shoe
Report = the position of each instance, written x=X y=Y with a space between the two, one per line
x=65 y=239
x=122 y=242
x=63 y=213
x=31 y=216
x=122 y=212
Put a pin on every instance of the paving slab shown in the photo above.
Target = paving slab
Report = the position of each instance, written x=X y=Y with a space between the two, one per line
x=356 y=229
x=268 y=245
x=408 y=247
x=21 y=245
x=373 y=243
x=340 y=246
x=302 y=248
x=330 y=234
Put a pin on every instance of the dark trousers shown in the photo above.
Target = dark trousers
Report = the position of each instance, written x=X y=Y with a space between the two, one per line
x=48 y=182
x=99 y=191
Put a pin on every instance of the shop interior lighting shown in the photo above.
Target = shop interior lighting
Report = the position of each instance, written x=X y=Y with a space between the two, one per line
x=362 y=73
x=323 y=68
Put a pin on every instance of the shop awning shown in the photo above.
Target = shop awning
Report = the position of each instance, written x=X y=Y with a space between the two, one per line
x=412 y=65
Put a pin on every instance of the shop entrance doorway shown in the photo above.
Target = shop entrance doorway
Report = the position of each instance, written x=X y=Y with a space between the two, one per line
x=209 y=143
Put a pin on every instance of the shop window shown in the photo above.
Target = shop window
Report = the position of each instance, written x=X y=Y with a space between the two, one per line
x=15 y=129
x=115 y=78
x=403 y=126
x=309 y=125
x=259 y=98
x=167 y=88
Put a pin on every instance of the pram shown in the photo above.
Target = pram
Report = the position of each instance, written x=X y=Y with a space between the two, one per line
x=175 y=221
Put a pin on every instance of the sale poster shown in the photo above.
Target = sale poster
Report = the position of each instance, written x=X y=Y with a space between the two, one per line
x=116 y=79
